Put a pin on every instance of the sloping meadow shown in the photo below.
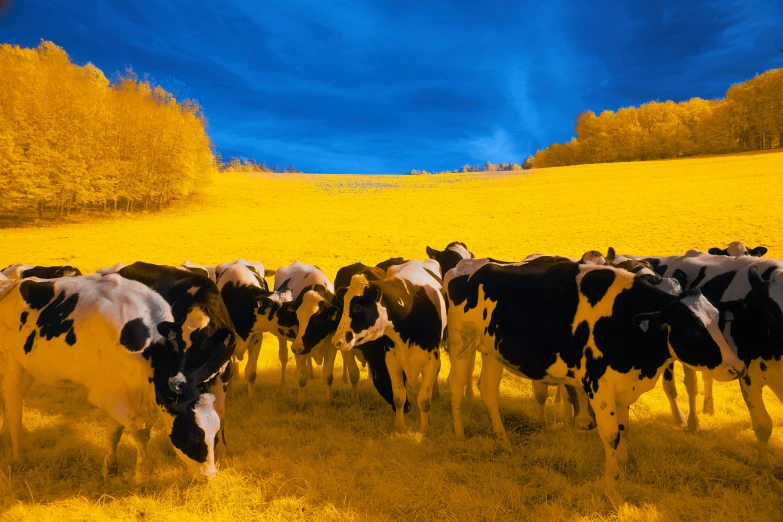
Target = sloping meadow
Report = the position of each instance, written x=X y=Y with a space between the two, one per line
x=342 y=462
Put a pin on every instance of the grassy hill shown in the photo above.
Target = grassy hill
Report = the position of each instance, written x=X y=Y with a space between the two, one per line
x=342 y=462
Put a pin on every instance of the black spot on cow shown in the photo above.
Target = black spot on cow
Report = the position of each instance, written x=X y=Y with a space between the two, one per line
x=281 y=332
x=53 y=320
x=616 y=441
x=572 y=353
x=621 y=427
x=51 y=272
x=37 y=294
x=134 y=335
x=187 y=436
x=699 y=277
x=70 y=337
x=681 y=277
x=23 y=318
x=763 y=366
x=417 y=320
x=393 y=261
x=363 y=309
x=747 y=380
x=375 y=354
x=714 y=288
x=436 y=354
x=595 y=283
x=611 y=413
x=767 y=274
x=28 y=344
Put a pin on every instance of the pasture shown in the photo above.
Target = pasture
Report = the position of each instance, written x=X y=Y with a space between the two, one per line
x=340 y=462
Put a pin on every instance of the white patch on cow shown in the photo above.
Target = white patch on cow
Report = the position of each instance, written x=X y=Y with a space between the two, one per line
x=737 y=249
x=308 y=308
x=709 y=315
x=670 y=286
x=195 y=320
x=208 y=420
x=461 y=250
x=111 y=269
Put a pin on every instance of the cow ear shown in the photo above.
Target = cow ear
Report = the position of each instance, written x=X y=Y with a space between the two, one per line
x=375 y=291
x=431 y=252
x=715 y=251
x=648 y=321
x=610 y=255
x=170 y=330
x=759 y=251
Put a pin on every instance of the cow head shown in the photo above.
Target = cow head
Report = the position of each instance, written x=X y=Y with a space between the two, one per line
x=767 y=296
x=192 y=428
x=593 y=257
x=448 y=258
x=738 y=249
x=317 y=318
x=692 y=331
x=364 y=317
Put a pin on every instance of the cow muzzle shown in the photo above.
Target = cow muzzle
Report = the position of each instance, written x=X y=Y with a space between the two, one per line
x=729 y=372
x=297 y=347
x=178 y=383
x=344 y=341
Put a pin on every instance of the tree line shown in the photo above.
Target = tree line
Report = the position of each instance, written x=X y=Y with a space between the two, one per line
x=486 y=167
x=249 y=165
x=749 y=118
x=71 y=139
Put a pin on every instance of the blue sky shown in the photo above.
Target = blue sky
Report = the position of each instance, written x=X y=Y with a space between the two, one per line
x=392 y=85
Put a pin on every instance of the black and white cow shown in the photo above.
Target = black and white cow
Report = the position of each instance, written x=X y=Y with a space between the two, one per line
x=408 y=308
x=117 y=338
x=318 y=317
x=277 y=313
x=241 y=285
x=738 y=249
x=208 y=334
x=751 y=289
x=19 y=271
x=591 y=326
x=206 y=271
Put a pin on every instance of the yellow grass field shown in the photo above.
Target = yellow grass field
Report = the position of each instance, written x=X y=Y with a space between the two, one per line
x=343 y=462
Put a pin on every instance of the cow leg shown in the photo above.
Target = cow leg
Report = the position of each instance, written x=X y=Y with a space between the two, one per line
x=282 y=354
x=540 y=392
x=310 y=372
x=623 y=422
x=456 y=379
x=566 y=408
x=141 y=437
x=709 y=402
x=346 y=356
x=301 y=373
x=428 y=381
x=353 y=370
x=327 y=372
x=759 y=418
x=489 y=386
x=113 y=433
x=218 y=388
x=436 y=384
x=670 y=389
x=583 y=420
x=605 y=409
x=398 y=388
x=470 y=370
x=692 y=386
x=13 y=392
x=27 y=381
x=253 y=350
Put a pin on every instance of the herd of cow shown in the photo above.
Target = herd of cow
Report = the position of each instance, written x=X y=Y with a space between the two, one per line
x=148 y=339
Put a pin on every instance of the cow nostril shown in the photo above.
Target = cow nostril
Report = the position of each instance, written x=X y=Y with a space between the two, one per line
x=348 y=337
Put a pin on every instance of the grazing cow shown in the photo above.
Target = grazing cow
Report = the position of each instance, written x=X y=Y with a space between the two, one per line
x=206 y=271
x=208 y=334
x=116 y=337
x=241 y=285
x=318 y=316
x=278 y=312
x=43 y=272
x=448 y=258
x=752 y=290
x=591 y=326
x=407 y=307
x=738 y=249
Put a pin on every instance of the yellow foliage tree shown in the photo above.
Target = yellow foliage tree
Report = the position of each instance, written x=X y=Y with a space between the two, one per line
x=71 y=139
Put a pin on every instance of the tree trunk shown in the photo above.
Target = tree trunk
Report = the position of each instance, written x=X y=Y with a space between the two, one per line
x=40 y=209
x=127 y=206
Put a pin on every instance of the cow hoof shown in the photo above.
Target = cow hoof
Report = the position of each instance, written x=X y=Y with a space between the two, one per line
x=679 y=419
x=110 y=469
x=692 y=425
x=764 y=464
x=252 y=394
x=709 y=406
